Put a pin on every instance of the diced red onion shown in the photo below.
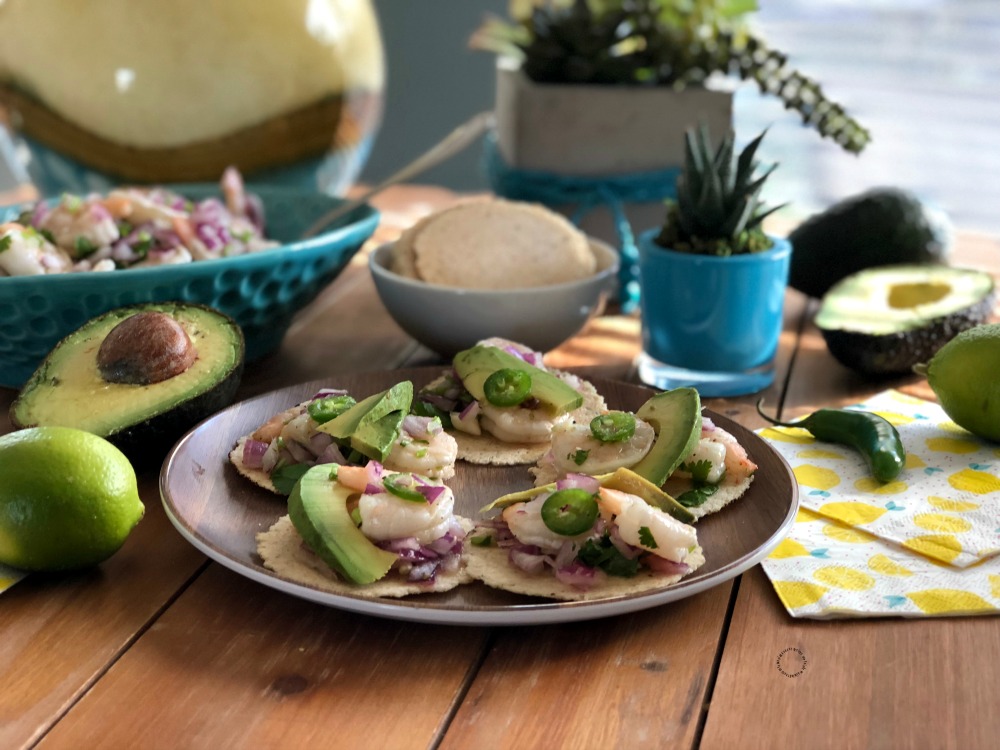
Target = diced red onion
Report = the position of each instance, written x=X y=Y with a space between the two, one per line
x=331 y=455
x=441 y=402
x=707 y=425
x=430 y=491
x=271 y=456
x=665 y=566
x=578 y=576
x=565 y=556
x=327 y=392
x=470 y=411
x=299 y=453
x=578 y=481
x=374 y=489
x=375 y=470
x=421 y=428
x=526 y=561
x=627 y=550
x=253 y=453
x=319 y=443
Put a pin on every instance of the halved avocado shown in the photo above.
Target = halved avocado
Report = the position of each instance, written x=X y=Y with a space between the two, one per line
x=885 y=320
x=117 y=393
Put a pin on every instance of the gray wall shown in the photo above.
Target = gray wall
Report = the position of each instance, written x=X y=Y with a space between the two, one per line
x=434 y=82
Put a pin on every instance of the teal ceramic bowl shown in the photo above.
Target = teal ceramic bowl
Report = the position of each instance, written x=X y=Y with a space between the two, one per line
x=260 y=291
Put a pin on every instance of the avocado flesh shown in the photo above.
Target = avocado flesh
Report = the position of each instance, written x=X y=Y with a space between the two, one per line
x=372 y=425
x=318 y=510
x=475 y=365
x=375 y=439
x=676 y=417
x=883 y=321
x=879 y=227
x=67 y=388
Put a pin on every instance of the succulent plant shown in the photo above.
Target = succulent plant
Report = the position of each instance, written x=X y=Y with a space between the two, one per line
x=718 y=210
x=659 y=42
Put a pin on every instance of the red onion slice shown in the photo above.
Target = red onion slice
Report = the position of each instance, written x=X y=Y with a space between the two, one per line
x=253 y=453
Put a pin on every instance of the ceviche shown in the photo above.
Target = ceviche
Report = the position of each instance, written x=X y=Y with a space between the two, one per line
x=132 y=227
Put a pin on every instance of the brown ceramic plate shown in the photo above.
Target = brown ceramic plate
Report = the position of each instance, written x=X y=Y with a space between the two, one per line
x=220 y=513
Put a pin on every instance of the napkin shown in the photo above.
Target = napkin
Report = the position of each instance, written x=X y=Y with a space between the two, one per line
x=925 y=544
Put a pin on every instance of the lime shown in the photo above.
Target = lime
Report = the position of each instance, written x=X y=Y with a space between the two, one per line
x=68 y=499
x=963 y=375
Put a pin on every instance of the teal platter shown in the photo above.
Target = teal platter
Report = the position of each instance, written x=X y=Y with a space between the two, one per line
x=261 y=291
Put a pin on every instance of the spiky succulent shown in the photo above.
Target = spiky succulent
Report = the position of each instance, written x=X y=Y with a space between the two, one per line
x=718 y=210
x=659 y=42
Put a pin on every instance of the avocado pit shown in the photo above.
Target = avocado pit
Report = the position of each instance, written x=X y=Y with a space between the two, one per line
x=148 y=347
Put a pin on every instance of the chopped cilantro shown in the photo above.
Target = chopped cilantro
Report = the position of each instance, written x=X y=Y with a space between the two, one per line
x=697 y=497
x=483 y=540
x=424 y=409
x=124 y=227
x=5 y=242
x=72 y=203
x=579 y=457
x=143 y=244
x=48 y=235
x=604 y=555
x=285 y=477
x=84 y=247
x=646 y=538
x=421 y=453
x=698 y=469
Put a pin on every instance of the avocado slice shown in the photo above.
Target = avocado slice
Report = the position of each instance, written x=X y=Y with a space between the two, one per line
x=475 y=365
x=883 y=321
x=143 y=420
x=372 y=425
x=879 y=227
x=318 y=509
x=676 y=417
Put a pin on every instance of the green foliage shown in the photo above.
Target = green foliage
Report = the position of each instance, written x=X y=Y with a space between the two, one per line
x=718 y=210
x=658 y=42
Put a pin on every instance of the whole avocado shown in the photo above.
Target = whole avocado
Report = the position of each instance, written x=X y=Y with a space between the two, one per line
x=878 y=227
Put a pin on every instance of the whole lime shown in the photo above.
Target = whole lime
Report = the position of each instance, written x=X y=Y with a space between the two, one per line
x=68 y=499
x=964 y=376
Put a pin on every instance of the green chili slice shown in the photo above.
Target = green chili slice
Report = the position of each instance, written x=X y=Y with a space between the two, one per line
x=507 y=387
x=569 y=512
x=324 y=409
x=403 y=486
x=613 y=427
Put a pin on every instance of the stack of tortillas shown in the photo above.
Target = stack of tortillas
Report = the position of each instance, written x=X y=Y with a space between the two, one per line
x=494 y=244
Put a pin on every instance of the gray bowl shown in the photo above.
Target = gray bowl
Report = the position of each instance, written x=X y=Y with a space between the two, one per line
x=448 y=320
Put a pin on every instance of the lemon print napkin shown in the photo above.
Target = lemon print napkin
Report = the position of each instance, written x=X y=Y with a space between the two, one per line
x=9 y=576
x=924 y=544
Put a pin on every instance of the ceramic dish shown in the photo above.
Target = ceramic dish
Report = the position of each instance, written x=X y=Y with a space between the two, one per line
x=220 y=513
x=261 y=291
x=449 y=320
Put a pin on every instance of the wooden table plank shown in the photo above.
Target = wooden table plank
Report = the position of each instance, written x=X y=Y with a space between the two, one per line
x=633 y=681
x=234 y=664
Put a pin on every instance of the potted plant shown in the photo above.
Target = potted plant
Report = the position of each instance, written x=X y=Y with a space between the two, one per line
x=594 y=97
x=713 y=283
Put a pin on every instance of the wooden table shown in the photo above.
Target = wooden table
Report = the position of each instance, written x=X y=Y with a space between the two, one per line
x=159 y=647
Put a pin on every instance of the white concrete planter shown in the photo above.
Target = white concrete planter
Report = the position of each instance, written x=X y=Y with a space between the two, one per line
x=598 y=131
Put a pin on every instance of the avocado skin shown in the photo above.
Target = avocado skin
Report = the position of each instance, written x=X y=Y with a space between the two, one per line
x=146 y=442
x=879 y=227
x=888 y=354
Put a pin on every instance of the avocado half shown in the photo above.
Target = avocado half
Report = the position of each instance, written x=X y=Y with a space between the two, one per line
x=143 y=420
x=885 y=320
x=879 y=227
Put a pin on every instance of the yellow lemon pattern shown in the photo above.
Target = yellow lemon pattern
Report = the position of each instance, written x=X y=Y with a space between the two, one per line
x=817 y=477
x=884 y=565
x=926 y=544
x=852 y=514
x=844 y=578
x=975 y=481
x=952 y=445
x=795 y=435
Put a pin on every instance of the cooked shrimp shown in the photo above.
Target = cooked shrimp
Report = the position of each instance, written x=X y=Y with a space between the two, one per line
x=173 y=256
x=639 y=523
x=574 y=448
x=515 y=424
x=385 y=516
x=137 y=207
x=712 y=451
x=526 y=524
x=738 y=464
x=272 y=427
x=25 y=252
x=234 y=192
x=434 y=458
x=80 y=224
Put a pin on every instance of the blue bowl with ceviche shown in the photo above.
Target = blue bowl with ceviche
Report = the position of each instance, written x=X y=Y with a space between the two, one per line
x=65 y=260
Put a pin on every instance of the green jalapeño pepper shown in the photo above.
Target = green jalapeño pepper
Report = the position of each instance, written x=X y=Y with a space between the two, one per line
x=613 y=427
x=324 y=409
x=569 y=512
x=869 y=434
x=403 y=486
x=507 y=387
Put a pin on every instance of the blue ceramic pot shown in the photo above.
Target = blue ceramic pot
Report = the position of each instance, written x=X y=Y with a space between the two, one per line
x=713 y=315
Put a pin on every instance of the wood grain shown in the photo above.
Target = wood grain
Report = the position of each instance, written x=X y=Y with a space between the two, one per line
x=635 y=681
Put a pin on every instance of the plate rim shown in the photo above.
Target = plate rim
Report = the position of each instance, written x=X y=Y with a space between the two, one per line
x=534 y=613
